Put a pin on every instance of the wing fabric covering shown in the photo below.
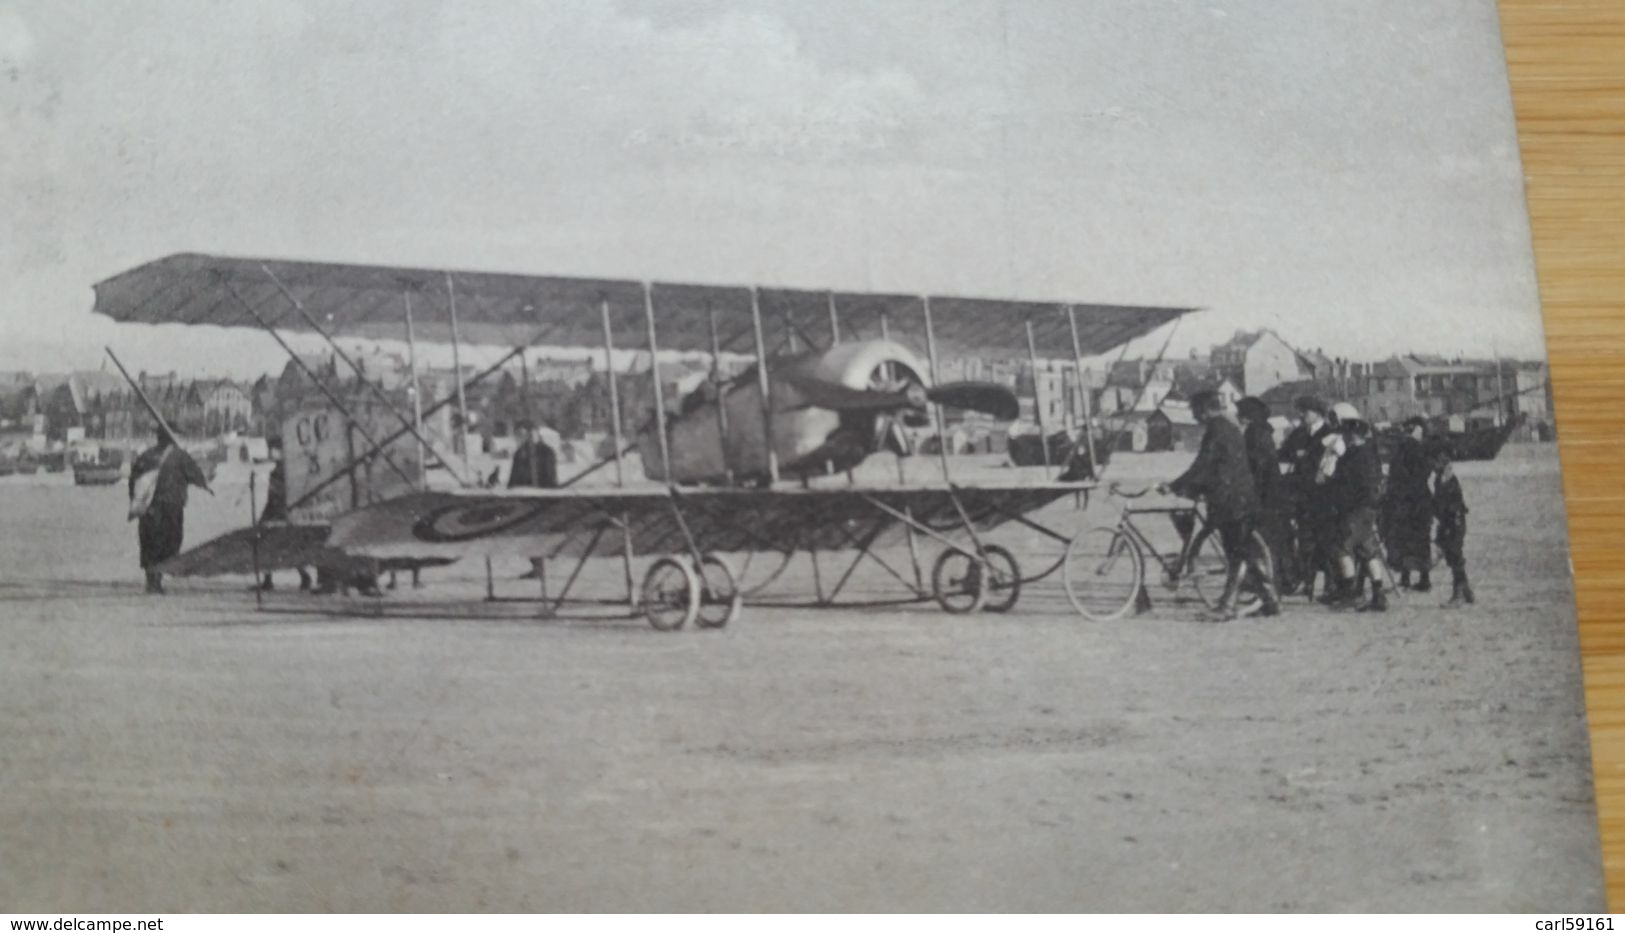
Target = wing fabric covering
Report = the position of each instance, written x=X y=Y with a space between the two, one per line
x=368 y=301
x=281 y=547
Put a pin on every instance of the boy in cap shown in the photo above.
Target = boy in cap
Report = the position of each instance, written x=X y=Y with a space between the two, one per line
x=1450 y=510
x=1358 y=485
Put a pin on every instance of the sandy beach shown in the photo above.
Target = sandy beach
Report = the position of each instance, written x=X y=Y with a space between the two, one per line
x=189 y=754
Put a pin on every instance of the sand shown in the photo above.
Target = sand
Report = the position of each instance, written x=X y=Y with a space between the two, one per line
x=188 y=754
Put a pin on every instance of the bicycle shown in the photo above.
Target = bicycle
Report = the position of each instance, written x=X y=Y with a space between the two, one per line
x=1105 y=565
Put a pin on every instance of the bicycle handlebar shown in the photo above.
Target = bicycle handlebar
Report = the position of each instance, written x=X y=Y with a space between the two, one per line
x=1117 y=489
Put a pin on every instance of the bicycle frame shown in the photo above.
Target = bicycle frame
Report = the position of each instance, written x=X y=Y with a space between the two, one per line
x=1193 y=541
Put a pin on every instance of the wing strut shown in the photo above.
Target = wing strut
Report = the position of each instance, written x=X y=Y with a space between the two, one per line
x=461 y=442
x=1038 y=403
x=721 y=391
x=620 y=446
x=936 y=379
x=763 y=384
x=1083 y=392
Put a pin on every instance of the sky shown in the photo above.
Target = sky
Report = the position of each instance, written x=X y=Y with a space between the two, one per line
x=1345 y=171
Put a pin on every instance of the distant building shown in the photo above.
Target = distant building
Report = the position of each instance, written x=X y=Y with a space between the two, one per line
x=226 y=408
x=1255 y=361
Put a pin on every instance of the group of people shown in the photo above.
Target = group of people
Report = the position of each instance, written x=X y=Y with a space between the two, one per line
x=1319 y=508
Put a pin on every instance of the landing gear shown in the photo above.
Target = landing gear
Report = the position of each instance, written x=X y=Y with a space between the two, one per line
x=670 y=594
x=720 y=595
x=962 y=582
x=676 y=593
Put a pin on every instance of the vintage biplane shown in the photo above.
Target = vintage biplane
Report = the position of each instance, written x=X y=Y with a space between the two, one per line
x=757 y=462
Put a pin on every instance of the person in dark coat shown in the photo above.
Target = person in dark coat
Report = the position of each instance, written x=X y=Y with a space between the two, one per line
x=276 y=505
x=1263 y=460
x=161 y=525
x=1220 y=476
x=1450 y=509
x=535 y=464
x=1357 y=487
x=1314 y=517
x=1408 y=508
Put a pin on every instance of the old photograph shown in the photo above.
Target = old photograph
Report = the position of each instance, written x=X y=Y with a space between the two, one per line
x=774 y=456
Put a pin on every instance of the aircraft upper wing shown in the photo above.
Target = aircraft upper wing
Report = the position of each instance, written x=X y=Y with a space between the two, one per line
x=509 y=310
x=582 y=523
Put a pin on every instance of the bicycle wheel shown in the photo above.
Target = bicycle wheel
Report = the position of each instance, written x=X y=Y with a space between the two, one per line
x=1103 y=573
x=1252 y=597
x=1213 y=566
x=1207 y=570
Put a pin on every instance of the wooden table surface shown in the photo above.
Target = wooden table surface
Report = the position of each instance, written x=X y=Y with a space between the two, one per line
x=1567 y=61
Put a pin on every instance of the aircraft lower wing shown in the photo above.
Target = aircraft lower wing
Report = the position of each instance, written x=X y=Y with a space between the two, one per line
x=281 y=546
x=589 y=523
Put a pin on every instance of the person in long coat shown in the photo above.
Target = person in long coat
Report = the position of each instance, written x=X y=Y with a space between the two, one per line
x=1220 y=476
x=1408 y=508
x=1273 y=498
x=161 y=526
x=1314 y=518
x=534 y=463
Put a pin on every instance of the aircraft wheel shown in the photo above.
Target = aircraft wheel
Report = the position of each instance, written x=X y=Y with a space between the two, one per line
x=720 y=596
x=956 y=581
x=671 y=594
x=1003 y=576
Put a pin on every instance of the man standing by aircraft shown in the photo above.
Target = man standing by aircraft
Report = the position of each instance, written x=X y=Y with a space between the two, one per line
x=1221 y=476
x=534 y=465
x=158 y=482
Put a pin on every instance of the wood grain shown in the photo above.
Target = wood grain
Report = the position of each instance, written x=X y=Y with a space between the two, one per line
x=1568 y=83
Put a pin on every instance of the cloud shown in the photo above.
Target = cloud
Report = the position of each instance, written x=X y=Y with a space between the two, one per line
x=16 y=40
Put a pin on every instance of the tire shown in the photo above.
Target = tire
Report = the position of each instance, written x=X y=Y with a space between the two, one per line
x=1211 y=568
x=957 y=582
x=1250 y=600
x=1003 y=577
x=1103 y=572
x=720 y=596
x=1208 y=568
x=671 y=594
